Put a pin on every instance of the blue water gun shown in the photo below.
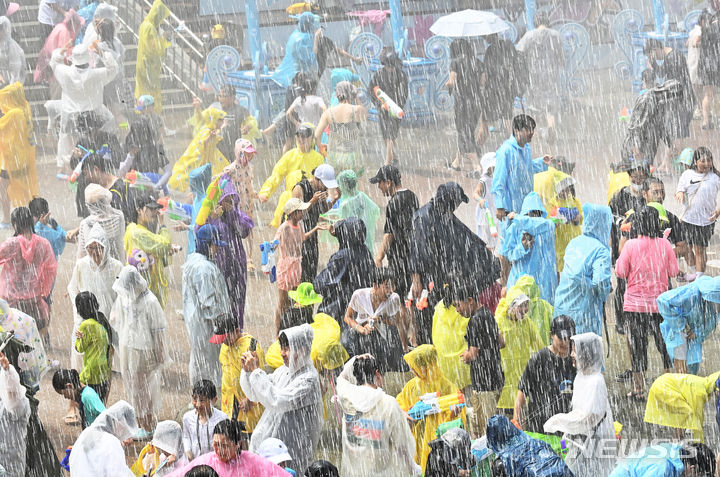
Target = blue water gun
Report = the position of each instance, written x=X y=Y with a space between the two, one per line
x=431 y=403
x=65 y=463
x=267 y=258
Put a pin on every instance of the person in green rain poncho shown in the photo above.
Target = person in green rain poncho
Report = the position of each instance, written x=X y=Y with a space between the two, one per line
x=356 y=203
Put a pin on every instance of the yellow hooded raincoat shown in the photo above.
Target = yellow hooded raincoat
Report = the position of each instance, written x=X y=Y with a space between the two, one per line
x=541 y=312
x=17 y=145
x=158 y=246
x=678 y=400
x=150 y=54
x=423 y=360
x=448 y=336
x=231 y=362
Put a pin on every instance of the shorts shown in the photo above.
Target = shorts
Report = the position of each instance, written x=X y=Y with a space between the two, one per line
x=389 y=126
x=698 y=234
x=638 y=326
x=466 y=120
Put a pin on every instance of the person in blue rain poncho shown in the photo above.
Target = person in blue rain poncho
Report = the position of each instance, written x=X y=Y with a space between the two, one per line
x=529 y=244
x=199 y=179
x=668 y=460
x=585 y=281
x=690 y=314
x=521 y=455
x=299 y=55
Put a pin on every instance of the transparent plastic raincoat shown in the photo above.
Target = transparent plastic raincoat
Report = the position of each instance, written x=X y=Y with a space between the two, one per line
x=150 y=54
x=428 y=379
x=14 y=416
x=588 y=427
x=448 y=335
x=97 y=200
x=537 y=261
x=17 y=145
x=585 y=281
x=652 y=461
x=12 y=58
x=166 y=441
x=355 y=203
x=687 y=307
x=28 y=269
x=376 y=439
x=98 y=451
x=678 y=400
x=292 y=399
x=157 y=246
x=202 y=150
x=299 y=55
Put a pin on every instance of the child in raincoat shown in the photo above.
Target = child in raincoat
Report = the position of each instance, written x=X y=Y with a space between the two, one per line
x=448 y=335
x=529 y=243
x=678 y=401
x=565 y=208
x=522 y=340
x=164 y=454
x=541 y=312
x=202 y=150
x=690 y=314
x=423 y=361
x=356 y=203
x=151 y=53
x=485 y=211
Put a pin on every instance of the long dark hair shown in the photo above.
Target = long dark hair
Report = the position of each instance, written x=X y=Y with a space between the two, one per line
x=88 y=308
x=106 y=32
x=703 y=151
x=22 y=221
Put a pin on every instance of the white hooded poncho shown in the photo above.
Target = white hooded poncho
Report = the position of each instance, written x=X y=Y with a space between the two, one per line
x=12 y=57
x=14 y=416
x=97 y=199
x=588 y=427
x=292 y=399
x=376 y=438
x=168 y=438
x=98 y=451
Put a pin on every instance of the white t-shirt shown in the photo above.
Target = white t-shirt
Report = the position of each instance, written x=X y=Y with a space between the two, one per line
x=198 y=437
x=309 y=110
x=48 y=16
x=361 y=303
x=701 y=192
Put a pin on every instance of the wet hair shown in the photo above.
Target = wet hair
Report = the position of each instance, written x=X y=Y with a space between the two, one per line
x=560 y=323
x=307 y=85
x=283 y=340
x=654 y=180
x=652 y=44
x=106 y=32
x=201 y=471
x=646 y=222
x=364 y=370
x=228 y=90
x=95 y=160
x=523 y=121
x=382 y=275
x=648 y=77
x=63 y=377
x=87 y=306
x=700 y=456
x=204 y=388
x=705 y=18
x=296 y=316
x=703 y=151
x=498 y=468
x=541 y=18
x=461 y=48
x=322 y=468
x=22 y=220
x=38 y=207
x=233 y=430
x=460 y=290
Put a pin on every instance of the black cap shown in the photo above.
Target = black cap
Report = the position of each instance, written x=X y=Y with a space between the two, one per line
x=562 y=325
x=451 y=190
x=386 y=173
x=146 y=198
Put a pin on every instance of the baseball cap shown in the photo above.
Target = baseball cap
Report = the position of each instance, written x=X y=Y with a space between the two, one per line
x=208 y=233
x=293 y=204
x=563 y=327
x=386 y=173
x=564 y=183
x=451 y=190
x=147 y=199
x=274 y=450
x=80 y=55
x=221 y=327
x=305 y=130
x=326 y=174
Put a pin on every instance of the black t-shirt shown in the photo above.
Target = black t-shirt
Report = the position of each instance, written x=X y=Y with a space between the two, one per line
x=145 y=135
x=398 y=222
x=547 y=385
x=123 y=199
x=622 y=202
x=469 y=71
x=325 y=49
x=486 y=371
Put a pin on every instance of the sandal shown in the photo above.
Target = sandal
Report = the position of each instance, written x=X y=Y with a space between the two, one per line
x=636 y=396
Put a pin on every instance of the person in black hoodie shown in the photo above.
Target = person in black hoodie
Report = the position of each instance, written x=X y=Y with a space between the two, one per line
x=394 y=82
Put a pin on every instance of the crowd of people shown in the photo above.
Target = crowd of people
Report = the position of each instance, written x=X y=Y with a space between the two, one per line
x=426 y=349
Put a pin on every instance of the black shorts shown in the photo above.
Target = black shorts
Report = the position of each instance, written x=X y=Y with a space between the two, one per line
x=639 y=326
x=466 y=121
x=698 y=234
x=389 y=126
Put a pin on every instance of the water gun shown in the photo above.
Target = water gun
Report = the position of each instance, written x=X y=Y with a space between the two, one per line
x=175 y=210
x=627 y=226
x=211 y=200
x=78 y=169
x=138 y=179
x=267 y=258
x=422 y=302
x=388 y=104
x=65 y=463
x=491 y=223
x=431 y=403
x=625 y=114
x=564 y=215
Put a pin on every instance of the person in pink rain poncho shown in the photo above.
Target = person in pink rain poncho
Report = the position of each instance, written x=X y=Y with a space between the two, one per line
x=62 y=34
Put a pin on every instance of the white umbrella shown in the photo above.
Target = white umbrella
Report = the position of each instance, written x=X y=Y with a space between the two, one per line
x=469 y=23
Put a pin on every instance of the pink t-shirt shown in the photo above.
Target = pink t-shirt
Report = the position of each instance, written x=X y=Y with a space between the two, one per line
x=647 y=264
x=291 y=238
x=246 y=465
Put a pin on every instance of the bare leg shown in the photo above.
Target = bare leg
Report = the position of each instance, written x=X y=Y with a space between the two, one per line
x=482 y=133
x=283 y=304
x=505 y=269
x=707 y=103
x=680 y=366
x=700 y=257
x=389 y=151
x=638 y=382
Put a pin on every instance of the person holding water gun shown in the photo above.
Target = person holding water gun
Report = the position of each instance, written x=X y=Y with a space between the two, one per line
x=393 y=82
x=485 y=210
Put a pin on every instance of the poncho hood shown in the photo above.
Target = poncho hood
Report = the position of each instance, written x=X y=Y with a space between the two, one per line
x=423 y=361
x=27 y=247
x=130 y=284
x=228 y=189
x=300 y=340
x=97 y=235
x=710 y=289
x=500 y=433
x=532 y=202
x=118 y=420
x=307 y=22
x=200 y=179
x=588 y=353
x=158 y=12
x=12 y=97
x=528 y=286
x=168 y=438
x=597 y=222
x=5 y=29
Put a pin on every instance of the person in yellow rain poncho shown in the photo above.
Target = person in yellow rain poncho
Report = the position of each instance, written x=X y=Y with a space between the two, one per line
x=678 y=401
x=541 y=312
x=17 y=149
x=151 y=54
x=521 y=341
x=202 y=150
x=448 y=335
x=423 y=361
x=299 y=161
x=166 y=445
x=557 y=191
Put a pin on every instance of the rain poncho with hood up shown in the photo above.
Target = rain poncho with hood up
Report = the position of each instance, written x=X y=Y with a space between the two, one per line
x=653 y=461
x=14 y=416
x=199 y=180
x=139 y=322
x=99 y=451
x=522 y=455
x=678 y=400
x=62 y=34
x=205 y=297
x=12 y=58
x=17 y=145
x=513 y=175
x=33 y=363
x=541 y=312
x=292 y=167
x=687 y=306
x=356 y=203
x=537 y=261
x=157 y=245
x=448 y=335
x=428 y=379
x=28 y=269
x=97 y=279
x=150 y=54
x=292 y=399
x=585 y=281
x=202 y=150
x=167 y=440
x=588 y=427
x=299 y=54
x=233 y=226
x=97 y=200
x=375 y=436
x=347 y=270
x=522 y=340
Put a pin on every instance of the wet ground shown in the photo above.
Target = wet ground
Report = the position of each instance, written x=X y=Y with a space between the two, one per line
x=590 y=134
